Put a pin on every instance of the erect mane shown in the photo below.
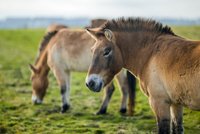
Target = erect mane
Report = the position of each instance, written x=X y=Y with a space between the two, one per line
x=137 y=24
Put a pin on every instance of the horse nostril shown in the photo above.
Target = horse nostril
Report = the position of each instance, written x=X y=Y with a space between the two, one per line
x=91 y=83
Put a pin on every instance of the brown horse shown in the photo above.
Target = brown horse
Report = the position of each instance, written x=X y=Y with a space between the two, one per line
x=167 y=66
x=63 y=51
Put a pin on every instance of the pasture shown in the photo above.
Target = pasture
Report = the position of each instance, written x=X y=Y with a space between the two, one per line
x=18 y=48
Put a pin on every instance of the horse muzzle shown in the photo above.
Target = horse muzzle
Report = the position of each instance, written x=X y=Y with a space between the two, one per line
x=36 y=100
x=94 y=82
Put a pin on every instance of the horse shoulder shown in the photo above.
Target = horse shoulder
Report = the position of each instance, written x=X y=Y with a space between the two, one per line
x=152 y=83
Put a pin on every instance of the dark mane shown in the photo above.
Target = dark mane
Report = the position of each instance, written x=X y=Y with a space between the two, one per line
x=45 y=40
x=44 y=43
x=137 y=24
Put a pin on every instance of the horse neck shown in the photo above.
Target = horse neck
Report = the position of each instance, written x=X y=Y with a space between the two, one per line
x=135 y=49
x=42 y=65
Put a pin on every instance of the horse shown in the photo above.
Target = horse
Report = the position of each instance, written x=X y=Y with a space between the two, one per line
x=64 y=51
x=166 y=65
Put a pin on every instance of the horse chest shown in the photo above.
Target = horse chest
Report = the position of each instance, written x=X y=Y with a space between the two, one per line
x=153 y=84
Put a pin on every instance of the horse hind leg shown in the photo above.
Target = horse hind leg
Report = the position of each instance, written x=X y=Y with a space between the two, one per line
x=176 y=119
x=132 y=93
x=63 y=78
x=123 y=84
x=124 y=100
x=106 y=99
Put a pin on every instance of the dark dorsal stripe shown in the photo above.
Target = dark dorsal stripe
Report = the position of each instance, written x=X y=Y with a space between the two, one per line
x=137 y=24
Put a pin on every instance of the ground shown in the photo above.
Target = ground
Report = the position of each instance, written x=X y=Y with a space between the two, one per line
x=18 y=48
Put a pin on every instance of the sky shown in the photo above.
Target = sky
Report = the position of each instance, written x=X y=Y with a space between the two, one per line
x=179 y=9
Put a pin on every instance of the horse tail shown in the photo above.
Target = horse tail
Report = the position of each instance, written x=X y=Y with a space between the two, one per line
x=132 y=92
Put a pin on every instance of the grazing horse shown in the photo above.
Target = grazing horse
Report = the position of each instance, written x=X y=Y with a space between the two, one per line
x=65 y=50
x=167 y=66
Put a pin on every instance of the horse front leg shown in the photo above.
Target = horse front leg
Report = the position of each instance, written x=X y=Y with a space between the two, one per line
x=162 y=111
x=65 y=96
x=109 y=89
x=63 y=78
x=176 y=119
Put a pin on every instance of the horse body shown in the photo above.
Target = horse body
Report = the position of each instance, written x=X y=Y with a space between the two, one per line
x=66 y=50
x=167 y=66
x=169 y=69
x=69 y=53
x=175 y=68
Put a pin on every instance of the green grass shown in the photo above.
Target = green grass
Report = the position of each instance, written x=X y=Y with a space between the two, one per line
x=18 y=115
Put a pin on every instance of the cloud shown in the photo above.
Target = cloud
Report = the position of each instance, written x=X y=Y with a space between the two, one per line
x=100 y=8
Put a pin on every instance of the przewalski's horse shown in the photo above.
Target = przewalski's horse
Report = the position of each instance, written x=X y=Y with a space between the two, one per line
x=167 y=66
x=67 y=50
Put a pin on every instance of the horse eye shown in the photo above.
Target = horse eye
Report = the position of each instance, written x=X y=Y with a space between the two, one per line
x=107 y=52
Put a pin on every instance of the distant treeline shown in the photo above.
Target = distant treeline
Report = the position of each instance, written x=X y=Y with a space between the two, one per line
x=13 y=23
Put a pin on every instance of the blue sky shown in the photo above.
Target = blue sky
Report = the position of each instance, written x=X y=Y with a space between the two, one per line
x=189 y=9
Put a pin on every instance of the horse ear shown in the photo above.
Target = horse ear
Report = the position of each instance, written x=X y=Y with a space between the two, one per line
x=33 y=68
x=109 y=34
x=94 y=32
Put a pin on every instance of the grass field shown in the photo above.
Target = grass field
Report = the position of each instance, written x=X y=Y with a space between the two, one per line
x=18 y=115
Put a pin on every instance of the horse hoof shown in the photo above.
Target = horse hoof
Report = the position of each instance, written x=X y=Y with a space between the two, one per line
x=101 y=112
x=122 y=110
x=64 y=108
